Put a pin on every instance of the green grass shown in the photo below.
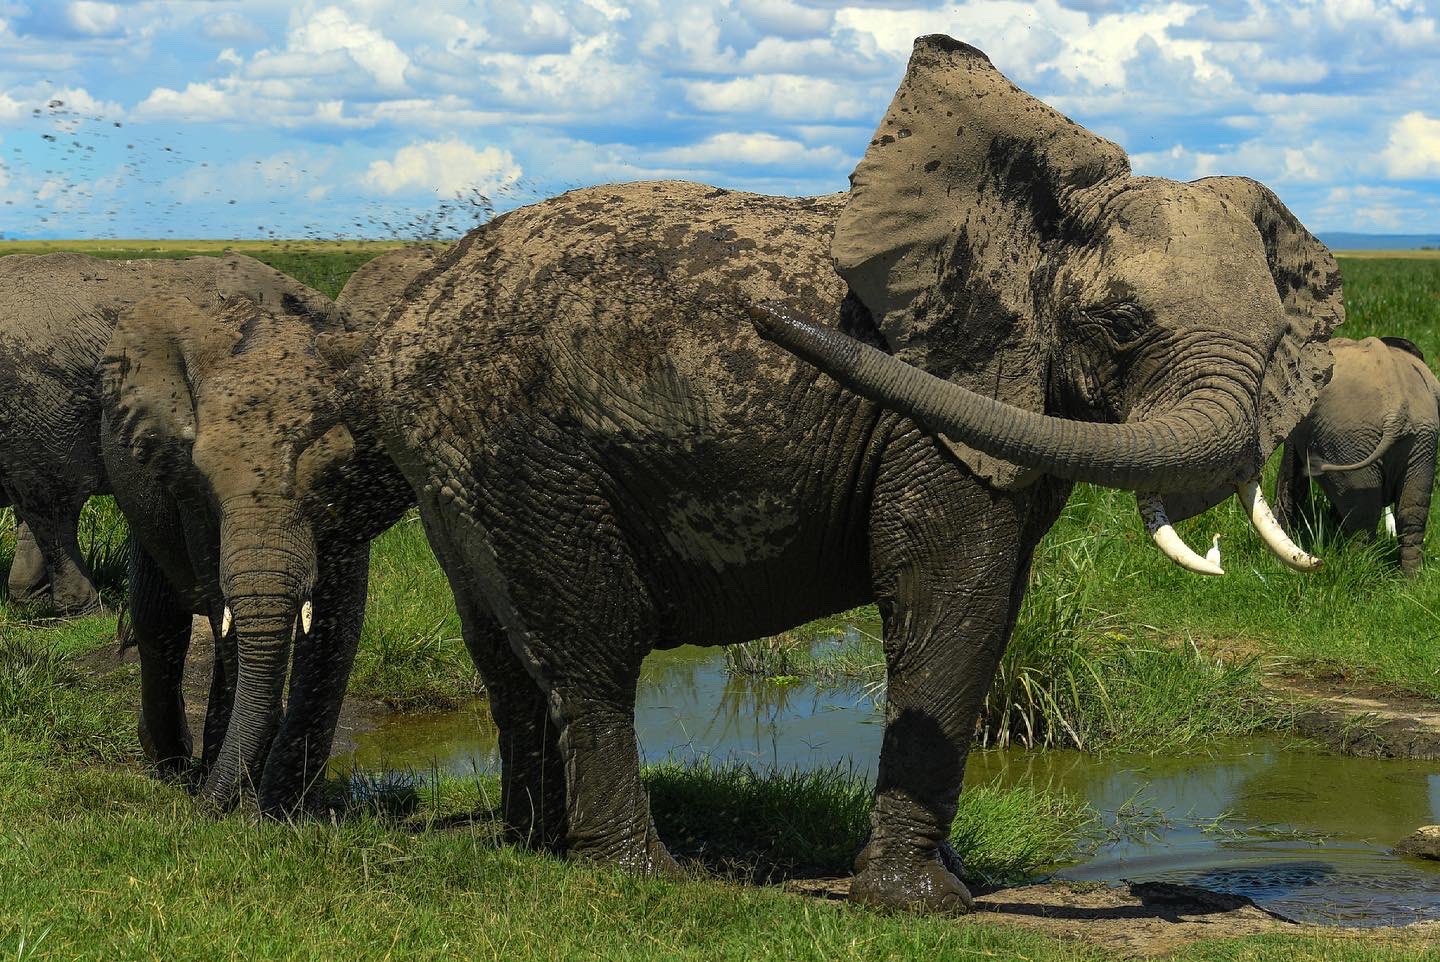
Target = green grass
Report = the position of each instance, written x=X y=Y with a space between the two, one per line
x=411 y=654
x=101 y=862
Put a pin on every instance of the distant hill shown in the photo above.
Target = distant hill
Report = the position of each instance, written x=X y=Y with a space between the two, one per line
x=1346 y=241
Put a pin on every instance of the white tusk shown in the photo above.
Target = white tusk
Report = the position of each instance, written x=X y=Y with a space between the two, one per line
x=1389 y=521
x=307 y=616
x=1270 y=531
x=1152 y=510
x=226 y=622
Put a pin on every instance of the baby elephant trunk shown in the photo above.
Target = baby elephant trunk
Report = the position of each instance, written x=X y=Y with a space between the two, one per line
x=267 y=569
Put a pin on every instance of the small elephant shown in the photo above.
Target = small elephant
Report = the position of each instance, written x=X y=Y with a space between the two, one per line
x=250 y=504
x=57 y=312
x=610 y=459
x=1370 y=443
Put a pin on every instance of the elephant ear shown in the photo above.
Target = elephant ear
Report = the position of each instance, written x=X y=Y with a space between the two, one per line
x=965 y=191
x=146 y=390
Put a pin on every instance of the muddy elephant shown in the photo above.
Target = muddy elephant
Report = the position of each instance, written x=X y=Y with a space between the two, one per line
x=1369 y=442
x=57 y=312
x=379 y=284
x=609 y=459
x=250 y=504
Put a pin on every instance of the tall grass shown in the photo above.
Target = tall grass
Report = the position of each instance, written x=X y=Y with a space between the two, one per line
x=411 y=654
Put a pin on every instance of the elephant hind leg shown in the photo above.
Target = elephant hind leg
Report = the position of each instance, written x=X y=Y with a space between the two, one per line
x=53 y=521
x=1412 y=507
x=578 y=619
x=29 y=578
x=532 y=781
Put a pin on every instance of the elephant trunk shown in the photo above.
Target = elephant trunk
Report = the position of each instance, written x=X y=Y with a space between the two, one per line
x=1196 y=446
x=267 y=568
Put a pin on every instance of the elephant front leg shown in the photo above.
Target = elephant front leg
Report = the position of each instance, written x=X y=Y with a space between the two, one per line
x=947 y=569
x=322 y=664
x=160 y=622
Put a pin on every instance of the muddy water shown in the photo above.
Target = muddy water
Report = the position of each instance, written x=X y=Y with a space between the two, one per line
x=1304 y=834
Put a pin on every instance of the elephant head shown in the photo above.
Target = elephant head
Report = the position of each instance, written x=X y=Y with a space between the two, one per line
x=228 y=404
x=1046 y=312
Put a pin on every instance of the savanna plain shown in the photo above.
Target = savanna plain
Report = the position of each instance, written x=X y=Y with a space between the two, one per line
x=1116 y=652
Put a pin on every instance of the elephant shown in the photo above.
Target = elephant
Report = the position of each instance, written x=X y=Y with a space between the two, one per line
x=1381 y=413
x=57 y=312
x=609 y=457
x=372 y=290
x=252 y=505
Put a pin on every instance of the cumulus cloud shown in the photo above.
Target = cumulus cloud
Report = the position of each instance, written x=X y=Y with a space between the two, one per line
x=778 y=95
x=447 y=167
x=198 y=101
x=94 y=19
x=762 y=149
x=1414 y=148
x=331 y=30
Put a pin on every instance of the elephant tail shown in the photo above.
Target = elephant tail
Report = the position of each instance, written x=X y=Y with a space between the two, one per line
x=1389 y=434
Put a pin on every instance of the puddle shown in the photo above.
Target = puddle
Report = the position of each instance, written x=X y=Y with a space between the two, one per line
x=1305 y=835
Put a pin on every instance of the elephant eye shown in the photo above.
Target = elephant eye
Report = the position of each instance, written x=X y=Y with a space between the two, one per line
x=1123 y=323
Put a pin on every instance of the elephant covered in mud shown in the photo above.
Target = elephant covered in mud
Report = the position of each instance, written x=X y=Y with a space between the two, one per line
x=379 y=284
x=1370 y=443
x=609 y=459
x=57 y=312
x=250 y=504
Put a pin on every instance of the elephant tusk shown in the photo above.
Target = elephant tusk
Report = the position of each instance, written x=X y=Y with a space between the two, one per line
x=1152 y=510
x=1270 y=531
x=307 y=617
x=226 y=622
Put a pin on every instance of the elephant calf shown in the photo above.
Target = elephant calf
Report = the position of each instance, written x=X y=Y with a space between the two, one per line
x=251 y=504
x=1370 y=443
x=57 y=312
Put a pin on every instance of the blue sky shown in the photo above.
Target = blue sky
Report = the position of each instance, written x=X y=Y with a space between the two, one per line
x=240 y=119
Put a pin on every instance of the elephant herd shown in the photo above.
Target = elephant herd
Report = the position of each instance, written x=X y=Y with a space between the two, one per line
x=645 y=415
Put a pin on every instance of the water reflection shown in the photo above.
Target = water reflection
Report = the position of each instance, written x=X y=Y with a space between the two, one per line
x=1306 y=835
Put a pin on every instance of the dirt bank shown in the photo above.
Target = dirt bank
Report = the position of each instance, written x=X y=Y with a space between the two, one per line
x=1142 y=919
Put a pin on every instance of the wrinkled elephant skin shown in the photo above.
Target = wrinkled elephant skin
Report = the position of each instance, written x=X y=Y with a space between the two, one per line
x=608 y=459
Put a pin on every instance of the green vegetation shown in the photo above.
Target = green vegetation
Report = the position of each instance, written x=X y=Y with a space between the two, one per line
x=1115 y=646
x=102 y=862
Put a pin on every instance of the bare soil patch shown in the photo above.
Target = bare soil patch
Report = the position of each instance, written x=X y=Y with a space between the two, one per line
x=1138 y=919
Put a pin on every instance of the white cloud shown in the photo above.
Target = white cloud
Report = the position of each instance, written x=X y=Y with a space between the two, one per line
x=785 y=18
x=447 y=167
x=780 y=95
x=228 y=55
x=10 y=109
x=94 y=19
x=762 y=149
x=198 y=101
x=585 y=78
x=231 y=27
x=1414 y=148
x=331 y=30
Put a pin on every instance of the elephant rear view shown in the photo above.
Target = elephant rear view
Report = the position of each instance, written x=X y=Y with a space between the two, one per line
x=56 y=313
x=1369 y=442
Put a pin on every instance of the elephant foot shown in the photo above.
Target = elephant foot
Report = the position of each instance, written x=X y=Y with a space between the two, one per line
x=643 y=854
x=75 y=604
x=167 y=747
x=917 y=880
